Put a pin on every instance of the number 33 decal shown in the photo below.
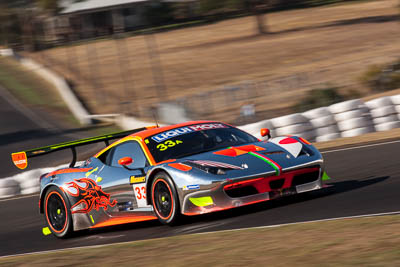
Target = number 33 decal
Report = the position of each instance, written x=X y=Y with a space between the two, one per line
x=140 y=192
x=168 y=144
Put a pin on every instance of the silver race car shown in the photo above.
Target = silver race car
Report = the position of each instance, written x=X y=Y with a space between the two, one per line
x=163 y=173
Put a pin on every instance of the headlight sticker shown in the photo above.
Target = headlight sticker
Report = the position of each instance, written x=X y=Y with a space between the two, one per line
x=184 y=130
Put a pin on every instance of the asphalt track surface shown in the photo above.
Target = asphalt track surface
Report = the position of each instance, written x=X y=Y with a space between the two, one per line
x=365 y=180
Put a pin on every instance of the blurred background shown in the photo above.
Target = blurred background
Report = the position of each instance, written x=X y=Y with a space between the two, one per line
x=323 y=70
x=239 y=61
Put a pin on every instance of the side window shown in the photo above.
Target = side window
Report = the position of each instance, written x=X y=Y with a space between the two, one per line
x=103 y=157
x=128 y=149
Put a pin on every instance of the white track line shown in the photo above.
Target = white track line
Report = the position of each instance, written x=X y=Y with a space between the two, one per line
x=358 y=147
x=212 y=232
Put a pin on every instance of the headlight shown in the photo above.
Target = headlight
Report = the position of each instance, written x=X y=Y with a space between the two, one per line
x=216 y=168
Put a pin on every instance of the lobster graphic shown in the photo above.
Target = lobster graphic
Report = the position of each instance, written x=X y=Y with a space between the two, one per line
x=92 y=196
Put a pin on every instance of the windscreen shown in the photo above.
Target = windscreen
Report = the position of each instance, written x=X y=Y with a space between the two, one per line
x=195 y=139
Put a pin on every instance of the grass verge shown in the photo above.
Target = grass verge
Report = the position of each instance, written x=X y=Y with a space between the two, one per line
x=373 y=241
x=33 y=91
x=25 y=85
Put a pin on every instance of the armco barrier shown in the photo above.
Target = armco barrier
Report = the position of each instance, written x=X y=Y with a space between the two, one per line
x=346 y=119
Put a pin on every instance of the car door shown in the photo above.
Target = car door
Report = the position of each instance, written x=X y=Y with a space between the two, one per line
x=125 y=184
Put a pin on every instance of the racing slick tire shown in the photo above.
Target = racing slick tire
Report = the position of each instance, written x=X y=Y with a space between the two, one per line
x=379 y=102
x=348 y=115
x=165 y=199
x=323 y=121
x=332 y=129
x=8 y=182
x=288 y=120
x=327 y=137
x=57 y=212
x=353 y=124
x=295 y=128
x=383 y=111
x=389 y=118
x=387 y=126
x=358 y=131
x=395 y=99
x=317 y=113
x=345 y=106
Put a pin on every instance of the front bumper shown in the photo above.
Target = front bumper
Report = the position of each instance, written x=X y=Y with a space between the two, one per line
x=241 y=192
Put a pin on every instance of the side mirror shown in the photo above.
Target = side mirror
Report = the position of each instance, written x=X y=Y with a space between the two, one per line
x=265 y=132
x=125 y=161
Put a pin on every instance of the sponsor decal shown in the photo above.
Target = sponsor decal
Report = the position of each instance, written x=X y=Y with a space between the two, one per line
x=325 y=177
x=237 y=151
x=20 y=160
x=184 y=130
x=139 y=190
x=137 y=180
x=180 y=166
x=167 y=144
x=288 y=141
x=202 y=201
x=191 y=187
x=216 y=164
x=89 y=196
x=91 y=218
x=290 y=144
x=69 y=170
x=46 y=231
x=38 y=152
x=90 y=172
x=273 y=164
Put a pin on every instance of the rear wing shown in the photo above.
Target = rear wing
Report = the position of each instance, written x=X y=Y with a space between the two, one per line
x=20 y=159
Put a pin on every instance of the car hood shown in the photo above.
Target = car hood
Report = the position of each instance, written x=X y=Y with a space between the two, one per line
x=273 y=157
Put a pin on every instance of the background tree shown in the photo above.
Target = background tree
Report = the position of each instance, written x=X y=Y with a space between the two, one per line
x=49 y=5
x=158 y=13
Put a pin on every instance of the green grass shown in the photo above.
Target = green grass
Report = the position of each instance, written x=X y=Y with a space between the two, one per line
x=19 y=82
x=25 y=85
x=373 y=241
x=32 y=90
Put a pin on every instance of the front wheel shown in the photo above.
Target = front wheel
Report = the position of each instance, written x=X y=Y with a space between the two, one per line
x=165 y=199
x=57 y=213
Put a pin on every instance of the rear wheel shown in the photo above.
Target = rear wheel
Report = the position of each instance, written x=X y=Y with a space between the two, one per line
x=165 y=199
x=57 y=212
